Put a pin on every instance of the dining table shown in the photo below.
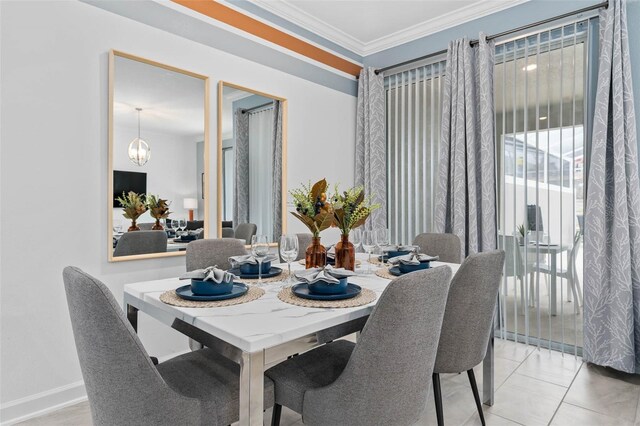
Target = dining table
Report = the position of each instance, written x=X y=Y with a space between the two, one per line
x=264 y=332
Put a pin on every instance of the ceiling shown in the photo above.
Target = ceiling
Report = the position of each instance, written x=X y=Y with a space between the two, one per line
x=369 y=26
x=172 y=102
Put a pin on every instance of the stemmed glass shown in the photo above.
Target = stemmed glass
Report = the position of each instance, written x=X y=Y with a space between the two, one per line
x=368 y=244
x=356 y=238
x=175 y=224
x=259 y=249
x=382 y=239
x=289 y=251
x=183 y=224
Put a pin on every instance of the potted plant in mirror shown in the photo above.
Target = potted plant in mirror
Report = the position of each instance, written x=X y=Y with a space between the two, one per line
x=316 y=213
x=134 y=206
x=350 y=210
x=158 y=209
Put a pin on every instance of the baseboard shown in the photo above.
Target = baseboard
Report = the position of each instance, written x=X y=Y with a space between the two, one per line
x=42 y=403
x=46 y=402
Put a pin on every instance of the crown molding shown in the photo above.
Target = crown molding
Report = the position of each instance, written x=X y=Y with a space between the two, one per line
x=296 y=15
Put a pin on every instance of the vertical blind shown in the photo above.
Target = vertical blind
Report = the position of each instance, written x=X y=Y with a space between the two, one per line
x=540 y=84
x=413 y=134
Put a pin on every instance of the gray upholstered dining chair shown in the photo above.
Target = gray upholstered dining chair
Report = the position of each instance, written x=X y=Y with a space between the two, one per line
x=228 y=233
x=467 y=322
x=141 y=242
x=384 y=378
x=447 y=246
x=245 y=231
x=210 y=252
x=125 y=387
x=304 y=241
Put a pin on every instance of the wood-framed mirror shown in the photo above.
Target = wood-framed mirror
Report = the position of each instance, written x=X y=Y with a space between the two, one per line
x=158 y=158
x=252 y=163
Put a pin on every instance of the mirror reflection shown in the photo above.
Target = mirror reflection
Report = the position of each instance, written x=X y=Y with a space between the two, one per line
x=251 y=128
x=157 y=202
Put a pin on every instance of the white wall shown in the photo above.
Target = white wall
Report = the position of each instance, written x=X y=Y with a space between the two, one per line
x=53 y=174
x=170 y=169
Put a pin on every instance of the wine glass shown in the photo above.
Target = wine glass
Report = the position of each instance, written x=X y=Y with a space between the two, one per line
x=382 y=239
x=289 y=250
x=175 y=224
x=356 y=238
x=369 y=243
x=183 y=225
x=259 y=249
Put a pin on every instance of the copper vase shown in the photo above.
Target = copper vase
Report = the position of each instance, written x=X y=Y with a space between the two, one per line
x=316 y=254
x=157 y=226
x=345 y=254
x=133 y=227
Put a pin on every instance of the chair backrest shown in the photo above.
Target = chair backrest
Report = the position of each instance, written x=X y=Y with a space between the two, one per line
x=210 y=252
x=141 y=242
x=146 y=226
x=228 y=233
x=245 y=231
x=572 y=263
x=514 y=264
x=469 y=313
x=388 y=376
x=192 y=225
x=304 y=241
x=122 y=383
x=447 y=246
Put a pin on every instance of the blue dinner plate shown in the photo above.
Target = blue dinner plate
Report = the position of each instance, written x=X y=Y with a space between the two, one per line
x=185 y=293
x=273 y=272
x=302 y=290
x=394 y=270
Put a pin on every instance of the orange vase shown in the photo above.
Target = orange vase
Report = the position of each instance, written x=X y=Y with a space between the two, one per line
x=157 y=226
x=316 y=254
x=134 y=226
x=345 y=254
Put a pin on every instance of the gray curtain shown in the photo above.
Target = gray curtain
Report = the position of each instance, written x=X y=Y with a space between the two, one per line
x=466 y=192
x=371 y=149
x=241 y=181
x=612 y=213
x=276 y=185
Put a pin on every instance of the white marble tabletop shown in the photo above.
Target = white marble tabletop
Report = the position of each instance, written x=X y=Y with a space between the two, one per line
x=256 y=325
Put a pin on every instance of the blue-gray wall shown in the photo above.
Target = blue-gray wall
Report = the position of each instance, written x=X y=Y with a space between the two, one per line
x=514 y=17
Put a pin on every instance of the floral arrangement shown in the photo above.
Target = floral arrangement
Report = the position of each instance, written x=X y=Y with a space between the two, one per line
x=312 y=207
x=158 y=208
x=133 y=204
x=351 y=208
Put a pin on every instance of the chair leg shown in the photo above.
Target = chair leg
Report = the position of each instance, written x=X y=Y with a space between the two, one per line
x=437 y=396
x=476 y=395
x=275 y=417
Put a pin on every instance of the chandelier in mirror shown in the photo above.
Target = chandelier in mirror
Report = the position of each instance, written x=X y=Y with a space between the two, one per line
x=139 y=151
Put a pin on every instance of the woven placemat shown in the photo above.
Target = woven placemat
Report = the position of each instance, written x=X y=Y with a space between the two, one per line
x=303 y=262
x=365 y=297
x=283 y=276
x=384 y=273
x=171 y=298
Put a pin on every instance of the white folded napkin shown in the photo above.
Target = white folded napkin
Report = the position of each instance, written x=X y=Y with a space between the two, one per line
x=328 y=274
x=331 y=253
x=412 y=259
x=237 y=261
x=395 y=247
x=212 y=273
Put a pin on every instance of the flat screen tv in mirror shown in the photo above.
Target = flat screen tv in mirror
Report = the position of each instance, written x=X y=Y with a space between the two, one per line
x=125 y=182
x=158 y=157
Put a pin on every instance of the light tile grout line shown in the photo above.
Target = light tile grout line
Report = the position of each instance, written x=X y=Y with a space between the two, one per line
x=565 y=394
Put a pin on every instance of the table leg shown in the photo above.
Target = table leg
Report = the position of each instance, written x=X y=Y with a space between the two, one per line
x=553 y=307
x=132 y=316
x=488 y=373
x=251 y=388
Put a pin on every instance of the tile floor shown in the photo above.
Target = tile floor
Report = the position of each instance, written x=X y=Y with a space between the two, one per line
x=533 y=387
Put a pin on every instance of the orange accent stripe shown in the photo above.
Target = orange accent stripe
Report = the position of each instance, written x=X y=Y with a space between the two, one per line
x=243 y=22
